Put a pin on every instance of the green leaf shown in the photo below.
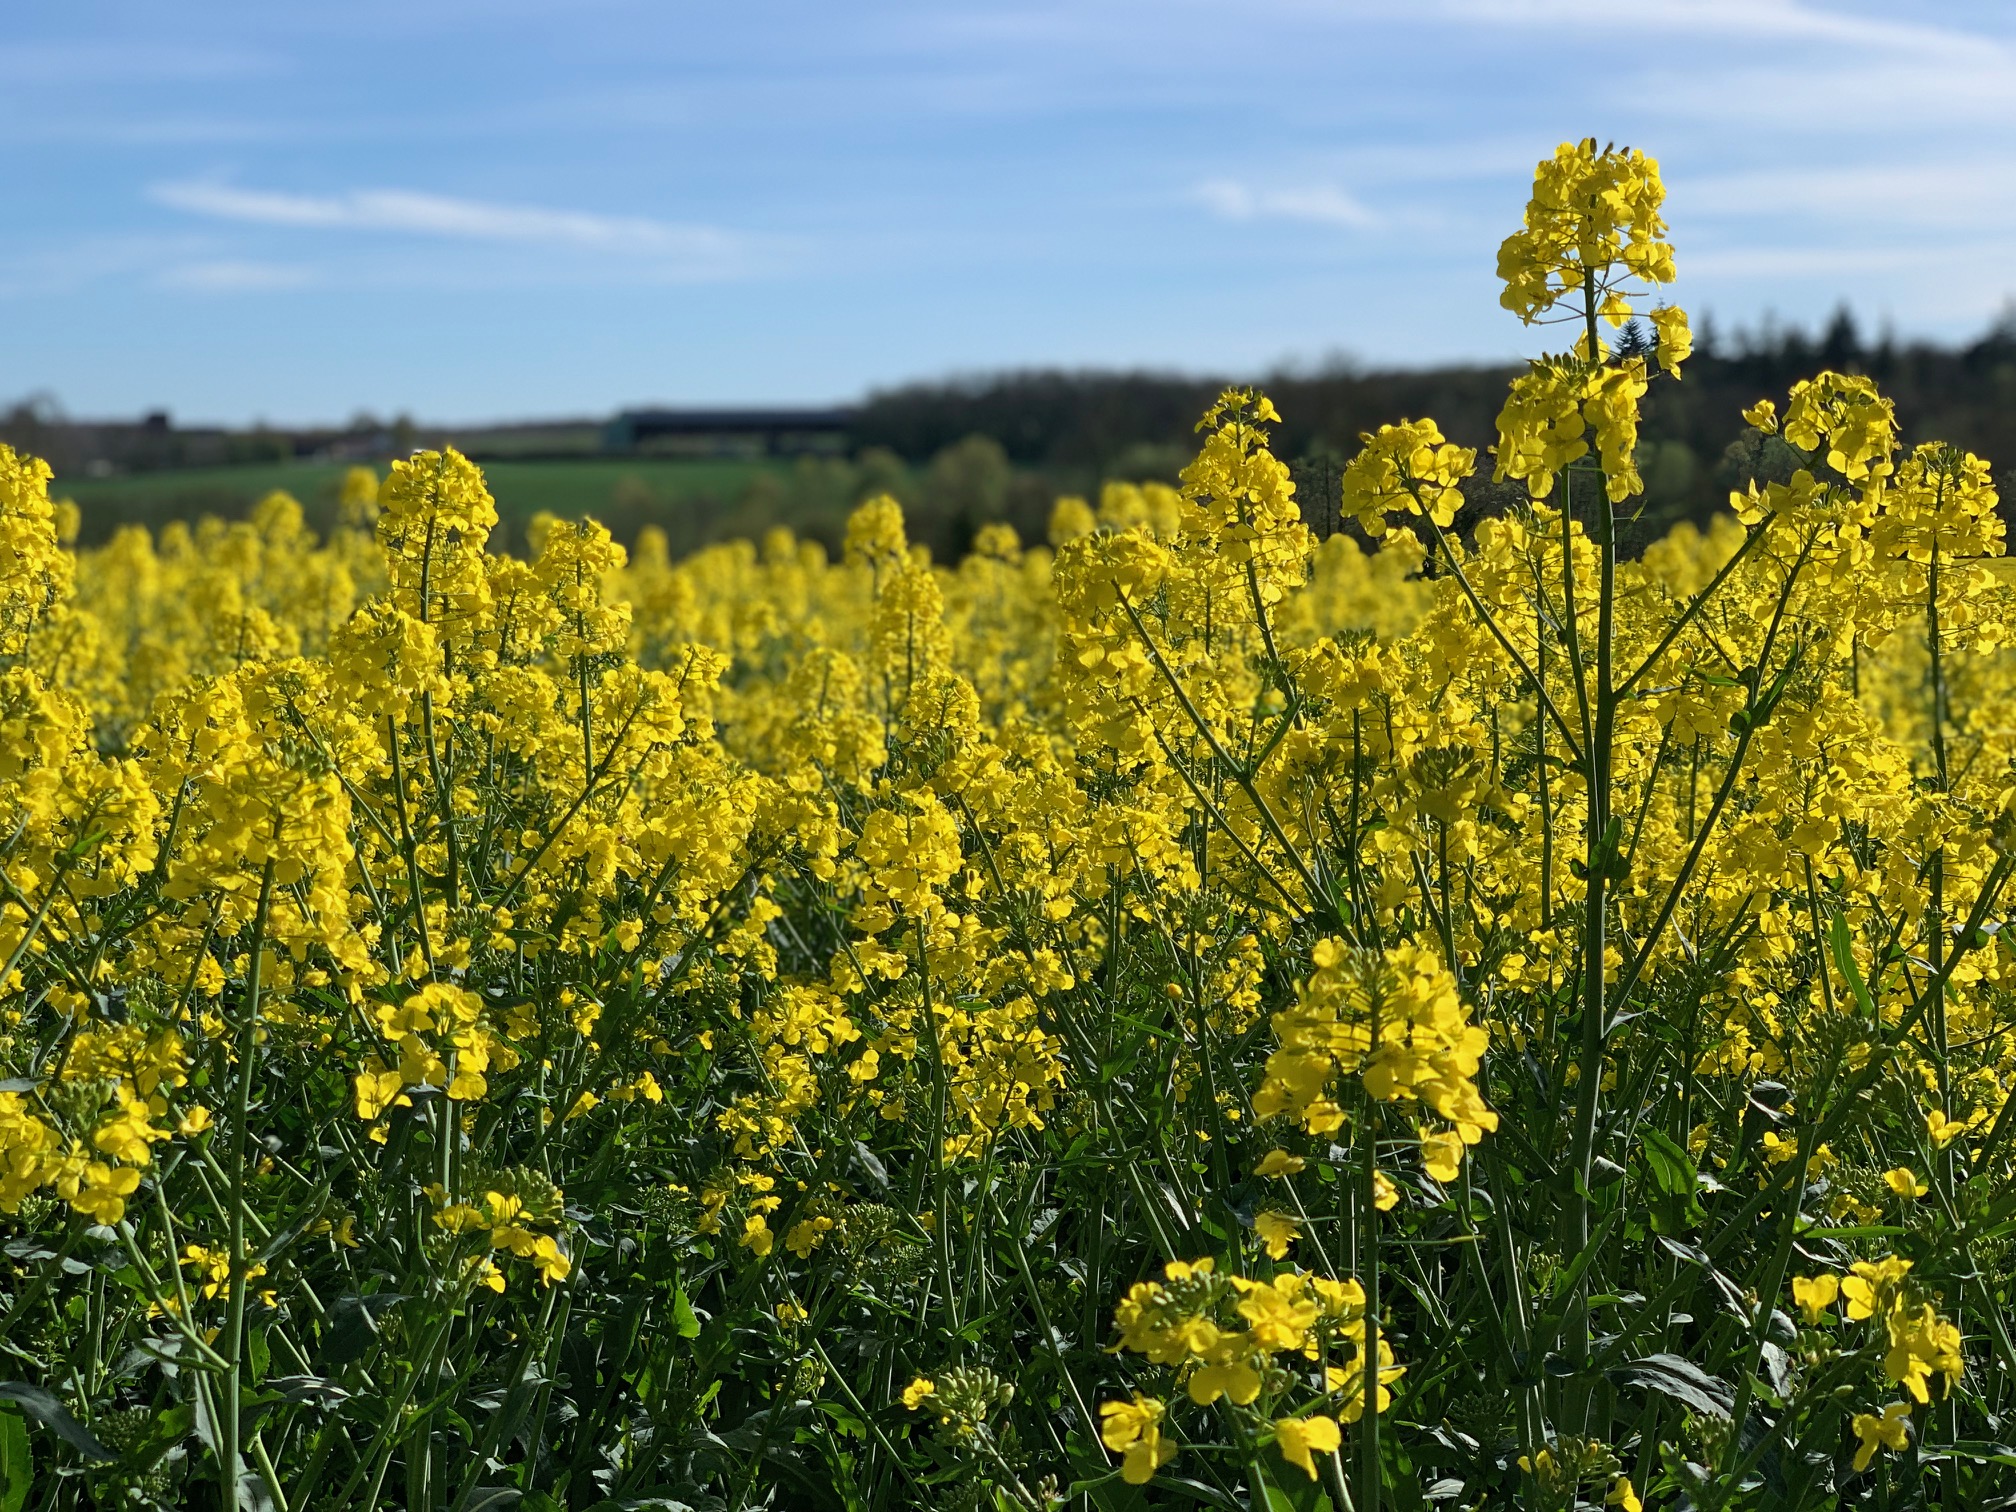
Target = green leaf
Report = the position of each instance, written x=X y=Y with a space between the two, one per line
x=1983 y=1452
x=17 y=1464
x=167 y=1430
x=1671 y=1168
x=1099 y=1479
x=1608 y=860
x=57 y=1419
x=352 y=1328
x=1298 y=1494
x=1844 y=961
x=1166 y=1483
x=1680 y=1379
x=684 y=1323
x=253 y=1493
x=1675 y=1206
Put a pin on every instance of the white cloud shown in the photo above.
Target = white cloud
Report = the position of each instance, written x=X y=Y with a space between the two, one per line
x=1982 y=259
x=1953 y=289
x=1775 y=20
x=1886 y=98
x=1320 y=204
x=68 y=64
x=1962 y=195
x=58 y=267
x=1794 y=65
x=233 y=276
x=414 y=213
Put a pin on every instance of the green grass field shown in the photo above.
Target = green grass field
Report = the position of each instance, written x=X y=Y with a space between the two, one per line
x=630 y=490
x=694 y=501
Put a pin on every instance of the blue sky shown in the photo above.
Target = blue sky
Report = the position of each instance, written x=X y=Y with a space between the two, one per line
x=468 y=210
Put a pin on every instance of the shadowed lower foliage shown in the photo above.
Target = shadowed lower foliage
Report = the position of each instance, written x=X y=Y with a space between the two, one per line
x=1196 y=1013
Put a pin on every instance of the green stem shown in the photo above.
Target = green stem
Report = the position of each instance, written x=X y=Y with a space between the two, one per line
x=1366 y=1496
x=229 y=1424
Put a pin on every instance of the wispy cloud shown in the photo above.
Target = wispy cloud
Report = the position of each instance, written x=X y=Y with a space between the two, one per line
x=414 y=213
x=1785 y=63
x=1973 y=193
x=1320 y=204
x=58 y=267
x=70 y=64
x=1776 y=20
x=235 y=276
x=1982 y=260
x=1787 y=95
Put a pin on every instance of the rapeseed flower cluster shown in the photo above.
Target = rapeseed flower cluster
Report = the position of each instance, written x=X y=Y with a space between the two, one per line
x=589 y=1027
x=1222 y=1334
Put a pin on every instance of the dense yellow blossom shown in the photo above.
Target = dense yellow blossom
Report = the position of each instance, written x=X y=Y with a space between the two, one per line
x=723 y=989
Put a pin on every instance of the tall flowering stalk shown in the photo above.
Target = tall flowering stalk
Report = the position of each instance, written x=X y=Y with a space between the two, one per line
x=1457 y=1012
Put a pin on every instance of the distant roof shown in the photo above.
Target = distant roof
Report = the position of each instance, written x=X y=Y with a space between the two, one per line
x=719 y=422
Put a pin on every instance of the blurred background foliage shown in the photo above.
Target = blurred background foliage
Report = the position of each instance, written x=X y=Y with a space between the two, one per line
x=962 y=452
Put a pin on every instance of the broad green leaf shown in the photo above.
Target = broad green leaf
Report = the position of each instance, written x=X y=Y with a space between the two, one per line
x=17 y=1463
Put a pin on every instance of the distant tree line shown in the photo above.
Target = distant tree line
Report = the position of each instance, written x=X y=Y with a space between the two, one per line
x=1073 y=428
x=962 y=453
x=947 y=496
